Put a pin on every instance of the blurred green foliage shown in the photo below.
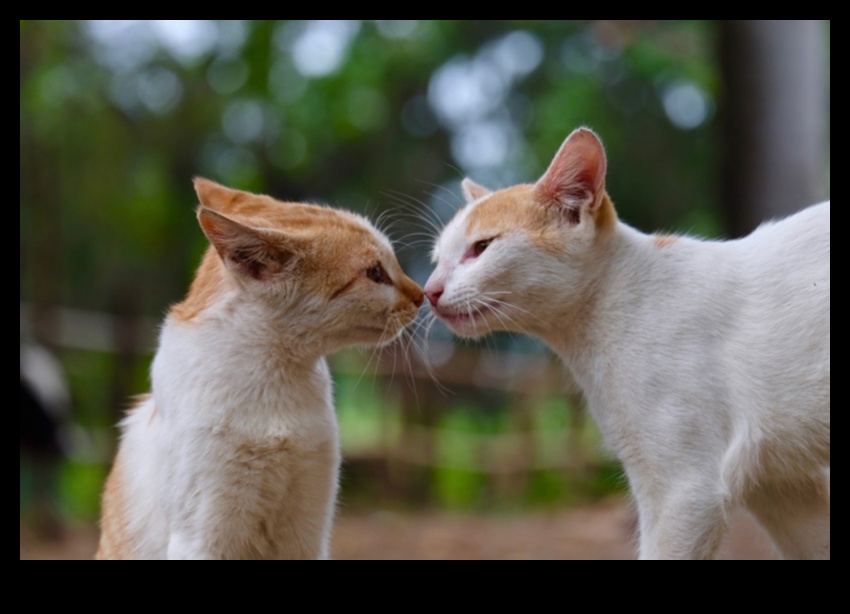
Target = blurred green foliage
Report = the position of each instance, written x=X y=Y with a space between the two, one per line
x=116 y=118
x=381 y=117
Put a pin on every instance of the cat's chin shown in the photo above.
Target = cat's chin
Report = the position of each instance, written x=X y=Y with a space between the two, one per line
x=374 y=335
x=469 y=333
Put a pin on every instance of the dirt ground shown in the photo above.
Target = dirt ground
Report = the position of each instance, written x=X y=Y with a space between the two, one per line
x=600 y=531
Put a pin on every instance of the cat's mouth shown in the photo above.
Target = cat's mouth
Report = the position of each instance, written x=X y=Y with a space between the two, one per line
x=464 y=318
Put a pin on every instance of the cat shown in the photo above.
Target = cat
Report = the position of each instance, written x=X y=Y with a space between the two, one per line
x=235 y=452
x=704 y=363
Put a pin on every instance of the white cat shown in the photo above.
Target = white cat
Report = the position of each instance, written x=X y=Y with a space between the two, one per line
x=704 y=363
x=235 y=452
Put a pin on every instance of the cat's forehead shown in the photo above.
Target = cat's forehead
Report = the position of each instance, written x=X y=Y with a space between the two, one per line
x=505 y=211
x=514 y=207
x=324 y=225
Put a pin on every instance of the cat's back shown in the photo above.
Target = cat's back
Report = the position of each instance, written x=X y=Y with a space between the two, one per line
x=132 y=523
x=779 y=352
x=775 y=279
x=802 y=238
x=747 y=319
x=785 y=268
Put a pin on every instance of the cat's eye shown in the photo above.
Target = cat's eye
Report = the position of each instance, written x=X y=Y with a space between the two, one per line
x=479 y=246
x=378 y=275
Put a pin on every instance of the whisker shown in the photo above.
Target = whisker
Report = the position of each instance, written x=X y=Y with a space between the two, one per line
x=408 y=340
x=520 y=310
x=424 y=352
x=417 y=209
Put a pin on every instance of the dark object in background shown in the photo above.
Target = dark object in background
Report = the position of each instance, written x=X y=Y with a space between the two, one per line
x=39 y=431
x=45 y=413
x=45 y=426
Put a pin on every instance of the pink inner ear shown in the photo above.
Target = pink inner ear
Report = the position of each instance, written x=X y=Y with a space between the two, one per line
x=576 y=176
x=252 y=252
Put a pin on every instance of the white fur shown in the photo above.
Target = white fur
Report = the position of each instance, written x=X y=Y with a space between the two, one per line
x=705 y=364
x=196 y=490
x=236 y=452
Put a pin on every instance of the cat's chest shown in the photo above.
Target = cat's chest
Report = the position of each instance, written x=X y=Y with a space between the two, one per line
x=255 y=463
x=258 y=424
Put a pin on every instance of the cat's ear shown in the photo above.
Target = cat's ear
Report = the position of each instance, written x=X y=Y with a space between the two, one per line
x=256 y=253
x=575 y=180
x=216 y=196
x=472 y=191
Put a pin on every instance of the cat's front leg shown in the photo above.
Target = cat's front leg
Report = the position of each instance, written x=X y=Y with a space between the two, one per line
x=182 y=548
x=680 y=521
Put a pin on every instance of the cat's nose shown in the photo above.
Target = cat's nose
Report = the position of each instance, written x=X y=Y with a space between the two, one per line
x=419 y=299
x=433 y=293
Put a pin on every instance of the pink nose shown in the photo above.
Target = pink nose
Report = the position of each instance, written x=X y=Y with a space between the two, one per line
x=433 y=293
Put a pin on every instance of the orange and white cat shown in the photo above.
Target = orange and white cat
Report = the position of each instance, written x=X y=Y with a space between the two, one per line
x=704 y=363
x=235 y=452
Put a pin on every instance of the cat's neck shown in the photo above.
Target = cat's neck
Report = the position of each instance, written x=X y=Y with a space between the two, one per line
x=630 y=275
x=240 y=339
x=216 y=313
x=230 y=366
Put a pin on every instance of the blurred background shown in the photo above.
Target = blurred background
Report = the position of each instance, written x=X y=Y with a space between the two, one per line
x=710 y=127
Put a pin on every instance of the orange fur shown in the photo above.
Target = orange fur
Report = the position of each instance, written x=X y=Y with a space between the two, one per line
x=115 y=542
x=605 y=215
x=662 y=241
x=520 y=207
x=204 y=291
x=326 y=236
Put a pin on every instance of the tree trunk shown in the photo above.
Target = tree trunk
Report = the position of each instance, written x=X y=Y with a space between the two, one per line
x=774 y=117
